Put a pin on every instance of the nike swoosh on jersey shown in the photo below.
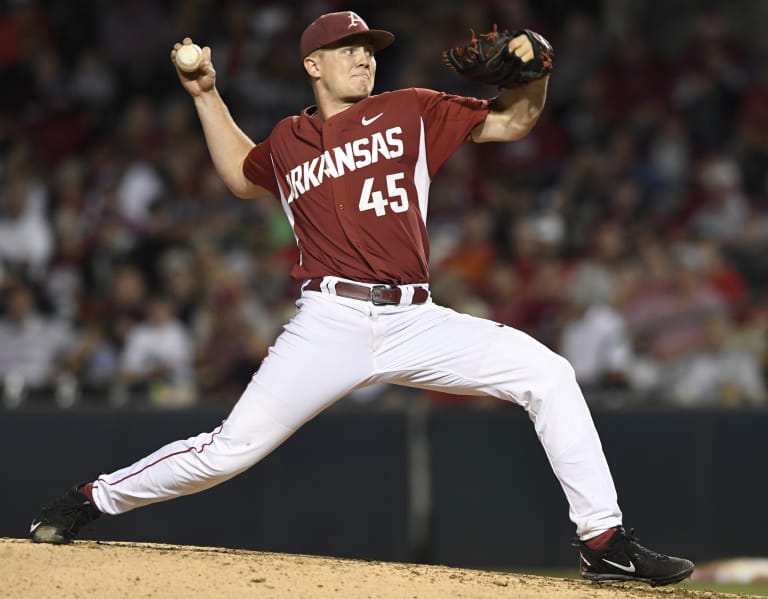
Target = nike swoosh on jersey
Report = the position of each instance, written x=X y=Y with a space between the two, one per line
x=367 y=122
x=630 y=568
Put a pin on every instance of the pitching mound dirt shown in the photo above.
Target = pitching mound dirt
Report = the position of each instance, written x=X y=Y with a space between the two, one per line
x=87 y=569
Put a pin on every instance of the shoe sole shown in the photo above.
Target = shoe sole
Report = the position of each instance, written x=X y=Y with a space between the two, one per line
x=49 y=534
x=654 y=582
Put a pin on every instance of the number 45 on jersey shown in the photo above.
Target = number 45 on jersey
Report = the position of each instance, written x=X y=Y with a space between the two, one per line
x=396 y=198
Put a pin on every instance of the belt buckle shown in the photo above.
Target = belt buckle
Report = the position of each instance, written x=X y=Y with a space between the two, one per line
x=377 y=299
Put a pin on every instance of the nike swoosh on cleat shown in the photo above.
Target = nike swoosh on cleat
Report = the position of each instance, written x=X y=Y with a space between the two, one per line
x=585 y=560
x=34 y=526
x=630 y=568
x=367 y=122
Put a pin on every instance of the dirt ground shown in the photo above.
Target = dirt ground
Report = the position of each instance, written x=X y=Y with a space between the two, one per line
x=114 y=570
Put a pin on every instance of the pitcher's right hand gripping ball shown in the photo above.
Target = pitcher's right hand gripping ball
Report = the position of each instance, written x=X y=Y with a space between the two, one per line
x=486 y=58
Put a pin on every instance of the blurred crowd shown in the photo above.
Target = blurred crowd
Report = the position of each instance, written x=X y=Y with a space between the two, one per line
x=627 y=231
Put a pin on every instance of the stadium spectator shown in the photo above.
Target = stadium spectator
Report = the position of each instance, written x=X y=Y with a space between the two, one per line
x=32 y=346
x=230 y=349
x=718 y=373
x=26 y=240
x=157 y=358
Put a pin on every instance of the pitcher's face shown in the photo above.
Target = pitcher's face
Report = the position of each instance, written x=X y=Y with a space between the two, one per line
x=345 y=72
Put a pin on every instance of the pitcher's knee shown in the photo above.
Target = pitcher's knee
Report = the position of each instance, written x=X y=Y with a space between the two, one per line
x=236 y=448
x=551 y=376
x=562 y=368
x=228 y=456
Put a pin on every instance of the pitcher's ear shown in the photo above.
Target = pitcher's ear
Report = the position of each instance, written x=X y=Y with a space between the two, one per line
x=311 y=65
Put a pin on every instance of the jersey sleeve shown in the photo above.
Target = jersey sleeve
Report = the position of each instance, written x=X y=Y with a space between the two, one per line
x=448 y=121
x=258 y=168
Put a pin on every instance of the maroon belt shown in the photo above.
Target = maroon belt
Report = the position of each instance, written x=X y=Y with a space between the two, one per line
x=379 y=295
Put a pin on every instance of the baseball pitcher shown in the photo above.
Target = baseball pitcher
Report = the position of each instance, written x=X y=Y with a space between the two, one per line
x=352 y=173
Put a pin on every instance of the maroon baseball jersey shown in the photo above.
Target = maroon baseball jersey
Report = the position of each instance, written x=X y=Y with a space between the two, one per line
x=354 y=187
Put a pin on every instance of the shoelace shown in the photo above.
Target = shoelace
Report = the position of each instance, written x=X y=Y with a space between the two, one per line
x=630 y=538
x=633 y=540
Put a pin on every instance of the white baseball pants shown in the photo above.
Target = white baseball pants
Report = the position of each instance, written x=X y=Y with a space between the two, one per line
x=334 y=345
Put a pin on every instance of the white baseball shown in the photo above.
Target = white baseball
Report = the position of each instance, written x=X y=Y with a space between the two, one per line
x=188 y=57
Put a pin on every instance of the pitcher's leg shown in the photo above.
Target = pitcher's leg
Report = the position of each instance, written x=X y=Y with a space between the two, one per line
x=453 y=352
x=565 y=428
x=195 y=464
x=299 y=378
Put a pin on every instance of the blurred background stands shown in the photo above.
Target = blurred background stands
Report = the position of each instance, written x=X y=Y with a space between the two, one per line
x=627 y=231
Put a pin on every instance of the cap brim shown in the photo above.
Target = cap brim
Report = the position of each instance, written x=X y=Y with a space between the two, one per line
x=380 y=38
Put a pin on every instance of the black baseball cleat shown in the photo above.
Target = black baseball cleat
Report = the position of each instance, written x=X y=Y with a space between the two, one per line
x=625 y=559
x=60 y=521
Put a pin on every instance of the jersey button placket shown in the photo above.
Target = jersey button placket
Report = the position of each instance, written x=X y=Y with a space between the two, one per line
x=332 y=137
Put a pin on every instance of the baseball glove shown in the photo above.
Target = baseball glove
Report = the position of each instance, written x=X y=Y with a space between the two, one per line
x=486 y=58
